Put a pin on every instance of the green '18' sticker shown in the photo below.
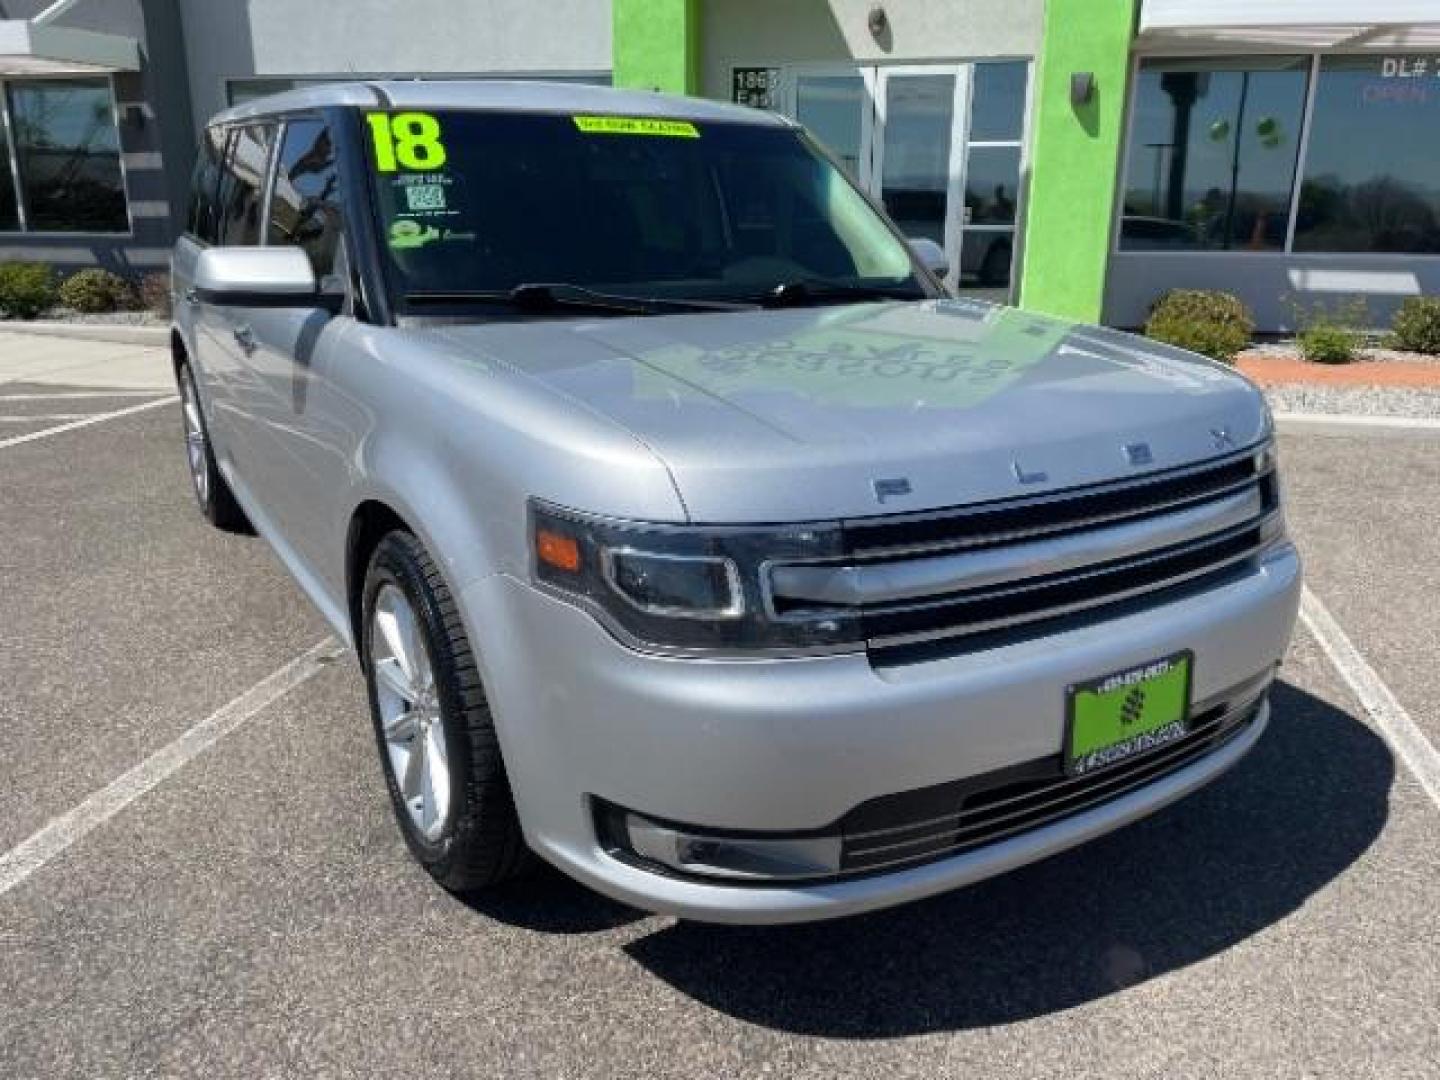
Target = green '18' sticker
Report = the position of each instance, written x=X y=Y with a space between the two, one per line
x=407 y=140
x=636 y=125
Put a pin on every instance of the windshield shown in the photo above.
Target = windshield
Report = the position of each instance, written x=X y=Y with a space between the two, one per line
x=475 y=202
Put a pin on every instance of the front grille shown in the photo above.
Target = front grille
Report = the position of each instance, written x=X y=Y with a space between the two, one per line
x=917 y=826
x=957 y=577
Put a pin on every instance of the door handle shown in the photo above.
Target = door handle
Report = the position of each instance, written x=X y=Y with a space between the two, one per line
x=191 y=296
x=244 y=337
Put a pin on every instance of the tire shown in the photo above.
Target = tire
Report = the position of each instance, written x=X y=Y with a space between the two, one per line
x=470 y=838
x=212 y=493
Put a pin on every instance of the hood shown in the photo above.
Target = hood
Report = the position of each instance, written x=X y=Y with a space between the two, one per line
x=829 y=412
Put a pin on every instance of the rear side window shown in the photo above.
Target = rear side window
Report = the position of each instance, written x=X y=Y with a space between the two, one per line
x=202 y=222
x=242 y=187
x=305 y=205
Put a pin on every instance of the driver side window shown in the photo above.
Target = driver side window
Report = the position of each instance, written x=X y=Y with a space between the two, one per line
x=305 y=204
x=242 y=186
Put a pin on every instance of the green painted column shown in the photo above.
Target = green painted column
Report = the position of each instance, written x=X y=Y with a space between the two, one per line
x=656 y=44
x=1075 y=156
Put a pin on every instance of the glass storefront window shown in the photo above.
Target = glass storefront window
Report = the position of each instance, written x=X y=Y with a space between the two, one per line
x=997 y=112
x=992 y=184
x=69 y=154
x=1372 y=169
x=1212 y=155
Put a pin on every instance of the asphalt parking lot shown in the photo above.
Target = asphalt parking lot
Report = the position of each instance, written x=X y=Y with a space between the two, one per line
x=254 y=912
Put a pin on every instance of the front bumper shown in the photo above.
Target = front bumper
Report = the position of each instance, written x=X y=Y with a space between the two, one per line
x=791 y=745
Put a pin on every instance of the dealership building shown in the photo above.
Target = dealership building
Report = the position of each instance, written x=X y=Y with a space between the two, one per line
x=1077 y=156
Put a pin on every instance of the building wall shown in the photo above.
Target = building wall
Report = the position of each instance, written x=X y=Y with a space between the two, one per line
x=656 y=44
x=1270 y=285
x=233 y=39
x=741 y=33
x=154 y=145
x=1075 y=155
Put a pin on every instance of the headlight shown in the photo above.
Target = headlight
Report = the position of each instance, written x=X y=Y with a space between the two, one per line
x=685 y=588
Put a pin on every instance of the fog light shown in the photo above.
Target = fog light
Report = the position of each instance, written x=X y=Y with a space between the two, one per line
x=740 y=857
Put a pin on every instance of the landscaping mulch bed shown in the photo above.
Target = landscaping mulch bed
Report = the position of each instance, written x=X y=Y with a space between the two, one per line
x=1379 y=382
x=1275 y=368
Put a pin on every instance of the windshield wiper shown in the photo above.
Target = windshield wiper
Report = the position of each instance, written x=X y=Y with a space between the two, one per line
x=548 y=296
x=801 y=291
x=530 y=298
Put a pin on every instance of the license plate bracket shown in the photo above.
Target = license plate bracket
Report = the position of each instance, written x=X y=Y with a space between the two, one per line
x=1127 y=713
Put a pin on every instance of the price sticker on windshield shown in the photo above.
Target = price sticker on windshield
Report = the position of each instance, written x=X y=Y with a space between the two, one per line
x=636 y=125
x=407 y=140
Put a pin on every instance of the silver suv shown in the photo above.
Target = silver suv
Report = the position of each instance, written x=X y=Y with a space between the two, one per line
x=689 y=535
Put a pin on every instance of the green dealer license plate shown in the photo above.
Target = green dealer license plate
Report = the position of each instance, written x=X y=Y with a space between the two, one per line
x=1130 y=712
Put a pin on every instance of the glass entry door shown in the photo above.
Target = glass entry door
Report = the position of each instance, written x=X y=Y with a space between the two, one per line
x=913 y=153
x=938 y=145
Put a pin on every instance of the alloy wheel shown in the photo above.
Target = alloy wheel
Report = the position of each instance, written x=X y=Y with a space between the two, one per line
x=410 y=715
x=195 y=448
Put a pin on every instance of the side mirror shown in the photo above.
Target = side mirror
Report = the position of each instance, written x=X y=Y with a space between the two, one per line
x=256 y=277
x=931 y=255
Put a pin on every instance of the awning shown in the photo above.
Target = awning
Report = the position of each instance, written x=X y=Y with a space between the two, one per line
x=31 y=48
x=1303 y=25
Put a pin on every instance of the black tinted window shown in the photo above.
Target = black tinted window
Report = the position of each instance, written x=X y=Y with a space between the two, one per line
x=305 y=207
x=202 y=220
x=243 y=184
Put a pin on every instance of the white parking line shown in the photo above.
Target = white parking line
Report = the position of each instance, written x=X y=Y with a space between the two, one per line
x=98 y=418
x=67 y=395
x=43 y=416
x=1401 y=732
x=20 y=862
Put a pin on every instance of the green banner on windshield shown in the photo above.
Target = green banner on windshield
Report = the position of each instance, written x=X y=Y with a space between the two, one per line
x=636 y=125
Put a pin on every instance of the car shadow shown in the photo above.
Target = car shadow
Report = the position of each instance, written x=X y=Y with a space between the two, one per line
x=1164 y=893
x=549 y=902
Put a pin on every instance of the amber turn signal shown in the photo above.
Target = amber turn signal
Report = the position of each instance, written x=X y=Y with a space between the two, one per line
x=557 y=550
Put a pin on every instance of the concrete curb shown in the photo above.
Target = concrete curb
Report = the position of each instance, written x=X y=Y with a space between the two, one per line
x=119 y=333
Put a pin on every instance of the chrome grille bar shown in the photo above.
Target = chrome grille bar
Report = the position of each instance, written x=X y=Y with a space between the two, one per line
x=892 y=581
x=1263 y=534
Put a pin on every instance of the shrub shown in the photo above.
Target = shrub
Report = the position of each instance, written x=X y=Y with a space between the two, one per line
x=1417 y=325
x=155 y=293
x=26 y=289
x=1330 y=334
x=95 y=290
x=1214 y=324
x=1326 y=344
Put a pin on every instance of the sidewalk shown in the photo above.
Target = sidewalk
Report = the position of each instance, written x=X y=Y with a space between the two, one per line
x=36 y=365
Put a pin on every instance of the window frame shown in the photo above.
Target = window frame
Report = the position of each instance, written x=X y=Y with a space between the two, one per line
x=12 y=165
x=1315 y=59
